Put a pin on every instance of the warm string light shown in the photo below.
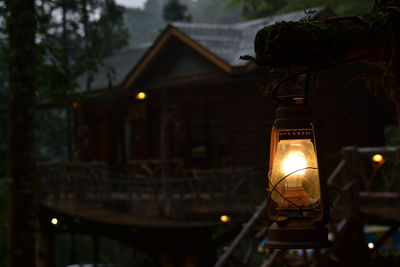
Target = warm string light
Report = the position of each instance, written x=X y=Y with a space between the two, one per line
x=378 y=158
x=225 y=218
x=141 y=96
x=54 y=221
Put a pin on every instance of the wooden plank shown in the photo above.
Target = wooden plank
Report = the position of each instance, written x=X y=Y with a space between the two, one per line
x=380 y=195
x=384 y=149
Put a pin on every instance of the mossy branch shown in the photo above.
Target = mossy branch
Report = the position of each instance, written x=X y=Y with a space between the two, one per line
x=373 y=37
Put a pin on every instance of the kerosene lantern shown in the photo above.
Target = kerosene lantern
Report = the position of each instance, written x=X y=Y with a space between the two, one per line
x=296 y=200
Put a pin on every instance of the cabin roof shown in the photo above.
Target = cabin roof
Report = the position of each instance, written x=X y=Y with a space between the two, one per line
x=221 y=43
x=116 y=67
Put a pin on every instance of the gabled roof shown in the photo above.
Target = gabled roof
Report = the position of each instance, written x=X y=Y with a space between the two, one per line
x=118 y=66
x=232 y=41
x=221 y=44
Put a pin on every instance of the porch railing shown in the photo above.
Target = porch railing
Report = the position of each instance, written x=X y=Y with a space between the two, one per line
x=193 y=198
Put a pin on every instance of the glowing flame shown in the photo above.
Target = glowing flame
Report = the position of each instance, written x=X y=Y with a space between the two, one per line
x=293 y=162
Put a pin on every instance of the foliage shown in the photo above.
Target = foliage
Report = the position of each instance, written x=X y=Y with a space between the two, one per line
x=261 y=8
x=52 y=133
x=339 y=7
x=144 y=25
x=258 y=8
x=74 y=37
x=211 y=11
x=175 y=11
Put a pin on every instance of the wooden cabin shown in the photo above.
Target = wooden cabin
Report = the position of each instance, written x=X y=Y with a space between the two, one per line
x=202 y=108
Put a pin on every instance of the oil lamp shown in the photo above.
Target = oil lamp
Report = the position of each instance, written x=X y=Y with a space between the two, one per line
x=296 y=201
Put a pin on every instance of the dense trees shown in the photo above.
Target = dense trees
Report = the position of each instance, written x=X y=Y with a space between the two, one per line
x=74 y=37
x=261 y=8
x=47 y=45
x=145 y=24
x=175 y=11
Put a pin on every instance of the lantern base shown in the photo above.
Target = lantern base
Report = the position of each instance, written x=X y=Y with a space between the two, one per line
x=297 y=235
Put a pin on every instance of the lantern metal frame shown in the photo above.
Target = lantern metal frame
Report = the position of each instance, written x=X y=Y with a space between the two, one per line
x=299 y=232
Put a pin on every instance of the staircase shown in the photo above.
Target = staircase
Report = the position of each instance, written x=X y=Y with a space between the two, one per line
x=361 y=191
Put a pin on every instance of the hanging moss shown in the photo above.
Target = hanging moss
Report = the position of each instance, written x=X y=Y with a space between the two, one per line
x=318 y=43
x=373 y=37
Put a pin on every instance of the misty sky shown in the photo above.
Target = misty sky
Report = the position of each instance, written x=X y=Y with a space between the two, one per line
x=131 y=3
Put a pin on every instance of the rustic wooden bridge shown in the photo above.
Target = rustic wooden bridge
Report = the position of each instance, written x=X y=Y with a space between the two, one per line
x=95 y=193
x=361 y=192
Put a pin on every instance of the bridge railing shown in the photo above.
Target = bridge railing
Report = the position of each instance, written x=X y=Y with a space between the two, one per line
x=356 y=183
x=239 y=190
x=362 y=179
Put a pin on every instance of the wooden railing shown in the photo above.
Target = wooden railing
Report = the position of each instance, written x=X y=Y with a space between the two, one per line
x=358 y=185
x=188 y=198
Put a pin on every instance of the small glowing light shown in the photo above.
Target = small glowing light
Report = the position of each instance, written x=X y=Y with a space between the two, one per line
x=331 y=237
x=294 y=161
x=75 y=105
x=225 y=218
x=377 y=158
x=141 y=96
x=54 y=221
x=370 y=245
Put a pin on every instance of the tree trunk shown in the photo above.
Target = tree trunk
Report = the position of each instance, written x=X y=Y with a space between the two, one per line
x=22 y=219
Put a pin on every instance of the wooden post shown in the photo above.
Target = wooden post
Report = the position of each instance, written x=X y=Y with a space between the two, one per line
x=45 y=242
x=352 y=251
x=96 y=250
x=72 y=251
x=163 y=136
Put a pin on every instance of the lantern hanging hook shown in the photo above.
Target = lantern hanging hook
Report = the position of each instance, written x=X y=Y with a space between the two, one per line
x=287 y=99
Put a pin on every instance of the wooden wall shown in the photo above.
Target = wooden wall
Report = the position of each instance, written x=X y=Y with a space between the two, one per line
x=218 y=120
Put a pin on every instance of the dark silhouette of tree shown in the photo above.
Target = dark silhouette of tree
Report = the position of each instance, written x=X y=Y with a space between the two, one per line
x=175 y=11
x=252 y=9
x=75 y=37
x=22 y=218
x=47 y=44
